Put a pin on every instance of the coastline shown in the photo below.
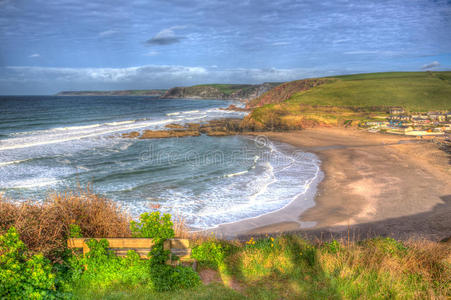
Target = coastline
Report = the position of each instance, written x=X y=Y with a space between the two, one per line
x=374 y=184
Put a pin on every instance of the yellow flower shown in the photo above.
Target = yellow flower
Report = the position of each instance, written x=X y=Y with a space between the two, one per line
x=272 y=239
x=272 y=245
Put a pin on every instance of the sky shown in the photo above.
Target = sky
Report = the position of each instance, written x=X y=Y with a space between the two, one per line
x=48 y=46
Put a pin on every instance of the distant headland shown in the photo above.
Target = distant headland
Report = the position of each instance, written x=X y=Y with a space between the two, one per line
x=153 y=93
x=204 y=91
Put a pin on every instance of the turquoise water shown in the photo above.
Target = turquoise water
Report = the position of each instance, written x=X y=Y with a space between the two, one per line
x=57 y=143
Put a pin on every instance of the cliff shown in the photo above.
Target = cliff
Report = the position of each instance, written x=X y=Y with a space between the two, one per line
x=220 y=91
x=285 y=91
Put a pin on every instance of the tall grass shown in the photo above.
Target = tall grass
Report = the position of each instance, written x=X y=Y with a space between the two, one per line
x=44 y=227
x=279 y=267
x=289 y=267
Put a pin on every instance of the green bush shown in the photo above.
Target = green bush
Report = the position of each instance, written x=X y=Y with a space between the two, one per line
x=211 y=253
x=153 y=225
x=159 y=228
x=22 y=275
x=387 y=246
x=168 y=278
x=101 y=269
x=332 y=247
x=75 y=231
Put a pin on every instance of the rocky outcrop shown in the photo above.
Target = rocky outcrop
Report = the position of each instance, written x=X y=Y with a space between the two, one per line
x=220 y=91
x=221 y=127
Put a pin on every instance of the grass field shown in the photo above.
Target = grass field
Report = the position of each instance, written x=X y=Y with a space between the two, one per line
x=290 y=267
x=356 y=97
x=416 y=91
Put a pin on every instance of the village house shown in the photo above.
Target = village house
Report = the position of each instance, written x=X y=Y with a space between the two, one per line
x=420 y=116
x=396 y=110
x=441 y=118
x=399 y=118
x=420 y=120
x=436 y=116
x=377 y=123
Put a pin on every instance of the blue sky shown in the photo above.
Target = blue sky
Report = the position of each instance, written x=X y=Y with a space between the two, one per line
x=52 y=45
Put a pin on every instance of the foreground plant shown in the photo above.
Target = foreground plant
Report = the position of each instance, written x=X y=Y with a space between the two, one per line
x=22 y=275
x=102 y=269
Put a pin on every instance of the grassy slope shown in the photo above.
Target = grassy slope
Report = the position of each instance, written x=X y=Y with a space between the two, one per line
x=227 y=89
x=291 y=268
x=356 y=97
x=416 y=91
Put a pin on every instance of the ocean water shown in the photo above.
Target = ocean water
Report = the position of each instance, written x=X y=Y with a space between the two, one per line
x=50 y=143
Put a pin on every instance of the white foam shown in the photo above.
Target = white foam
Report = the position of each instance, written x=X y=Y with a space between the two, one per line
x=120 y=123
x=236 y=174
x=55 y=138
x=264 y=188
x=2 y=164
x=75 y=127
x=196 y=118
x=33 y=183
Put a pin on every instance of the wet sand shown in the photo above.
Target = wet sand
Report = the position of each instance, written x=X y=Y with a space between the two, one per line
x=374 y=184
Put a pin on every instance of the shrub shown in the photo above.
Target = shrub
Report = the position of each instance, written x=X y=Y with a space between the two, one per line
x=386 y=246
x=105 y=270
x=101 y=268
x=168 y=278
x=23 y=276
x=332 y=247
x=153 y=225
x=211 y=253
x=44 y=227
x=159 y=228
x=75 y=231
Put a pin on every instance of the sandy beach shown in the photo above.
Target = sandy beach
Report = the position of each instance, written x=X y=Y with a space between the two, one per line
x=374 y=184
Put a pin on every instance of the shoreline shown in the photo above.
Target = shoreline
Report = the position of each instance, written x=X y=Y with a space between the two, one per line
x=290 y=212
x=374 y=184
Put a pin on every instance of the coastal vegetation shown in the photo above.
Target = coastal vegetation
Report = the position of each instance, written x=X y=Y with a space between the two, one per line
x=35 y=262
x=221 y=91
x=348 y=99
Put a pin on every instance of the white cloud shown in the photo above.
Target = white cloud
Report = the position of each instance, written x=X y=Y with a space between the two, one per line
x=109 y=75
x=34 y=55
x=280 y=43
x=107 y=33
x=17 y=79
x=152 y=53
x=432 y=65
x=166 y=36
x=374 y=52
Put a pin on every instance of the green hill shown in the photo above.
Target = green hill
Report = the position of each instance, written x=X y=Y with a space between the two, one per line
x=353 y=97
x=416 y=91
x=220 y=91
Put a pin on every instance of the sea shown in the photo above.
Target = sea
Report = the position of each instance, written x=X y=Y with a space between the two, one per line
x=56 y=144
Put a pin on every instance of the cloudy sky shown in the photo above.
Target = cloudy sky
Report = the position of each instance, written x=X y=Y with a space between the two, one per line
x=52 y=45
